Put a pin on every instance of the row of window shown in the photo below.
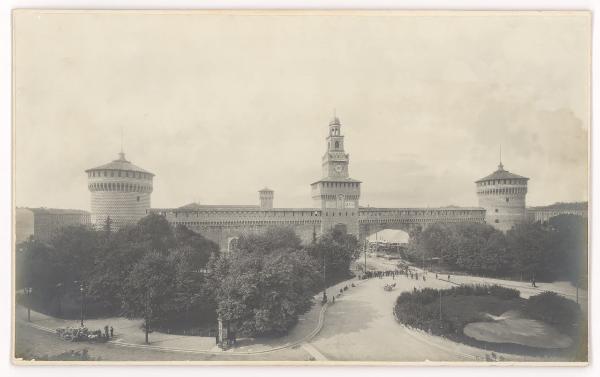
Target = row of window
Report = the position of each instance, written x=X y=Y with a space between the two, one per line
x=118 y=186
x=243 y=222
x=418 y=213
x=335 y=197
x=425 y=220
x=119 y=173
x=506 y=190
x=248 y=213
x=339 y=213
x=340 y=184
x=503 y=182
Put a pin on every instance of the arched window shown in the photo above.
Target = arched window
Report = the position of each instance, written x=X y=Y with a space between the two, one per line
x=337 y=144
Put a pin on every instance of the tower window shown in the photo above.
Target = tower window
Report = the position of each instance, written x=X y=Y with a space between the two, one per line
x=337 y=144
x=507 y=200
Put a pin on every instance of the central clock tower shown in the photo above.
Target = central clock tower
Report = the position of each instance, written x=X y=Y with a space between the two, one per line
x=335 y=160
x=336 y=194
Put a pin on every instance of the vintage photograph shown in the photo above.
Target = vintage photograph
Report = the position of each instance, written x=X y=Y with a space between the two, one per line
x=301 y=187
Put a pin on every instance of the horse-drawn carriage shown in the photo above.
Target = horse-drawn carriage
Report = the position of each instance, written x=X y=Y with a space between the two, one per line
x=389 y=287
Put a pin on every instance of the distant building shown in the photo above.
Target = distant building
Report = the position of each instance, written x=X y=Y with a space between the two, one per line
x=44 y=223
x=119 y=190
x=502 y=195
x=545 y=213
x=265 y=197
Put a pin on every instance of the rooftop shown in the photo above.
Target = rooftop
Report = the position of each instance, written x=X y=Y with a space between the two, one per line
x=582 y=206
x=56 y=211
x=501 y=174
x=198 y=206
x=339 y=180
x=120 y=164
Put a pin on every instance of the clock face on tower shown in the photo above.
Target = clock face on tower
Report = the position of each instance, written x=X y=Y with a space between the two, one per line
x=338 y=168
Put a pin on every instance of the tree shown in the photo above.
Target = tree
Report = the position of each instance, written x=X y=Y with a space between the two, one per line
x=266 y=284
x=495 y=257
x=264 y=293
x=198 y=249
x=149 y=289
x=76 y=249
x=35 y=267
x=334 y=251
x=113 y=265
x=157 y=231
x=272 y=238
x=532 y=250
x=571 y=242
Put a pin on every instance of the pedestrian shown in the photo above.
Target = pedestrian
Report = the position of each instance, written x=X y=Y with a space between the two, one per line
x=436 y=276
x=112 y=333
x=106 y=331
x=333 y=300
x=533 y=282
x=448 y=277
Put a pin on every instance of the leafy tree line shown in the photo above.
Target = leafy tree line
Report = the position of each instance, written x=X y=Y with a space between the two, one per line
x=118 y=271
x=549 y=251
x=176 y=277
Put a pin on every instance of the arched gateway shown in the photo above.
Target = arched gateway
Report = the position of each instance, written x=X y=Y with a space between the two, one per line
x=336 y=204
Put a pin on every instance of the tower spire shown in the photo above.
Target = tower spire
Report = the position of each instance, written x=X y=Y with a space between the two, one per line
x=121 y=153
x=500 y=166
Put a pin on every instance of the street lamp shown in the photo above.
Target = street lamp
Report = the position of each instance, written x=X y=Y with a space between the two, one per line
x=82 y=300
x=59 y=296
x=440 y=307
x=28 y=291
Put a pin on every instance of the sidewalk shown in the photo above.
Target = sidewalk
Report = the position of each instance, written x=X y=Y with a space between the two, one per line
x=129 y=332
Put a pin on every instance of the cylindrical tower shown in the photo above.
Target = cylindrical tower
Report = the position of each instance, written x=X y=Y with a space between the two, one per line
x=120 y=190
x=266 y=198
x=502 y=195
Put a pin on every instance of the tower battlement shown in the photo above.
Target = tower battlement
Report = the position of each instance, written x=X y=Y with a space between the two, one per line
x=120 y=191
x=502 y=194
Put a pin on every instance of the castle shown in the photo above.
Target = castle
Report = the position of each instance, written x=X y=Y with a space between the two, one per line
x=121 y=195
x=121 y=191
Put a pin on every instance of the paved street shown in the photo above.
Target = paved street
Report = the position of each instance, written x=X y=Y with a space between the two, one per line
x=361 y=326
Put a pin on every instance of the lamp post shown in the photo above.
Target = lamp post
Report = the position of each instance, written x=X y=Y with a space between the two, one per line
x=366 y=243
x=440 y=307
x=28 y=293
x=324 y=278
x=82 y=299
x=59 y=296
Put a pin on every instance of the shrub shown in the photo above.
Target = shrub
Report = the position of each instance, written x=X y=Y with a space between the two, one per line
x=555 y=310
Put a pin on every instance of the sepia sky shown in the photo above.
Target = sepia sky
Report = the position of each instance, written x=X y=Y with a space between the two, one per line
x=219 y=106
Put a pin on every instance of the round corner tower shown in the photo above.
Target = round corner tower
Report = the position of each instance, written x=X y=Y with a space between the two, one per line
x=266 y=198
x=502 y=195
x=119 y=190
